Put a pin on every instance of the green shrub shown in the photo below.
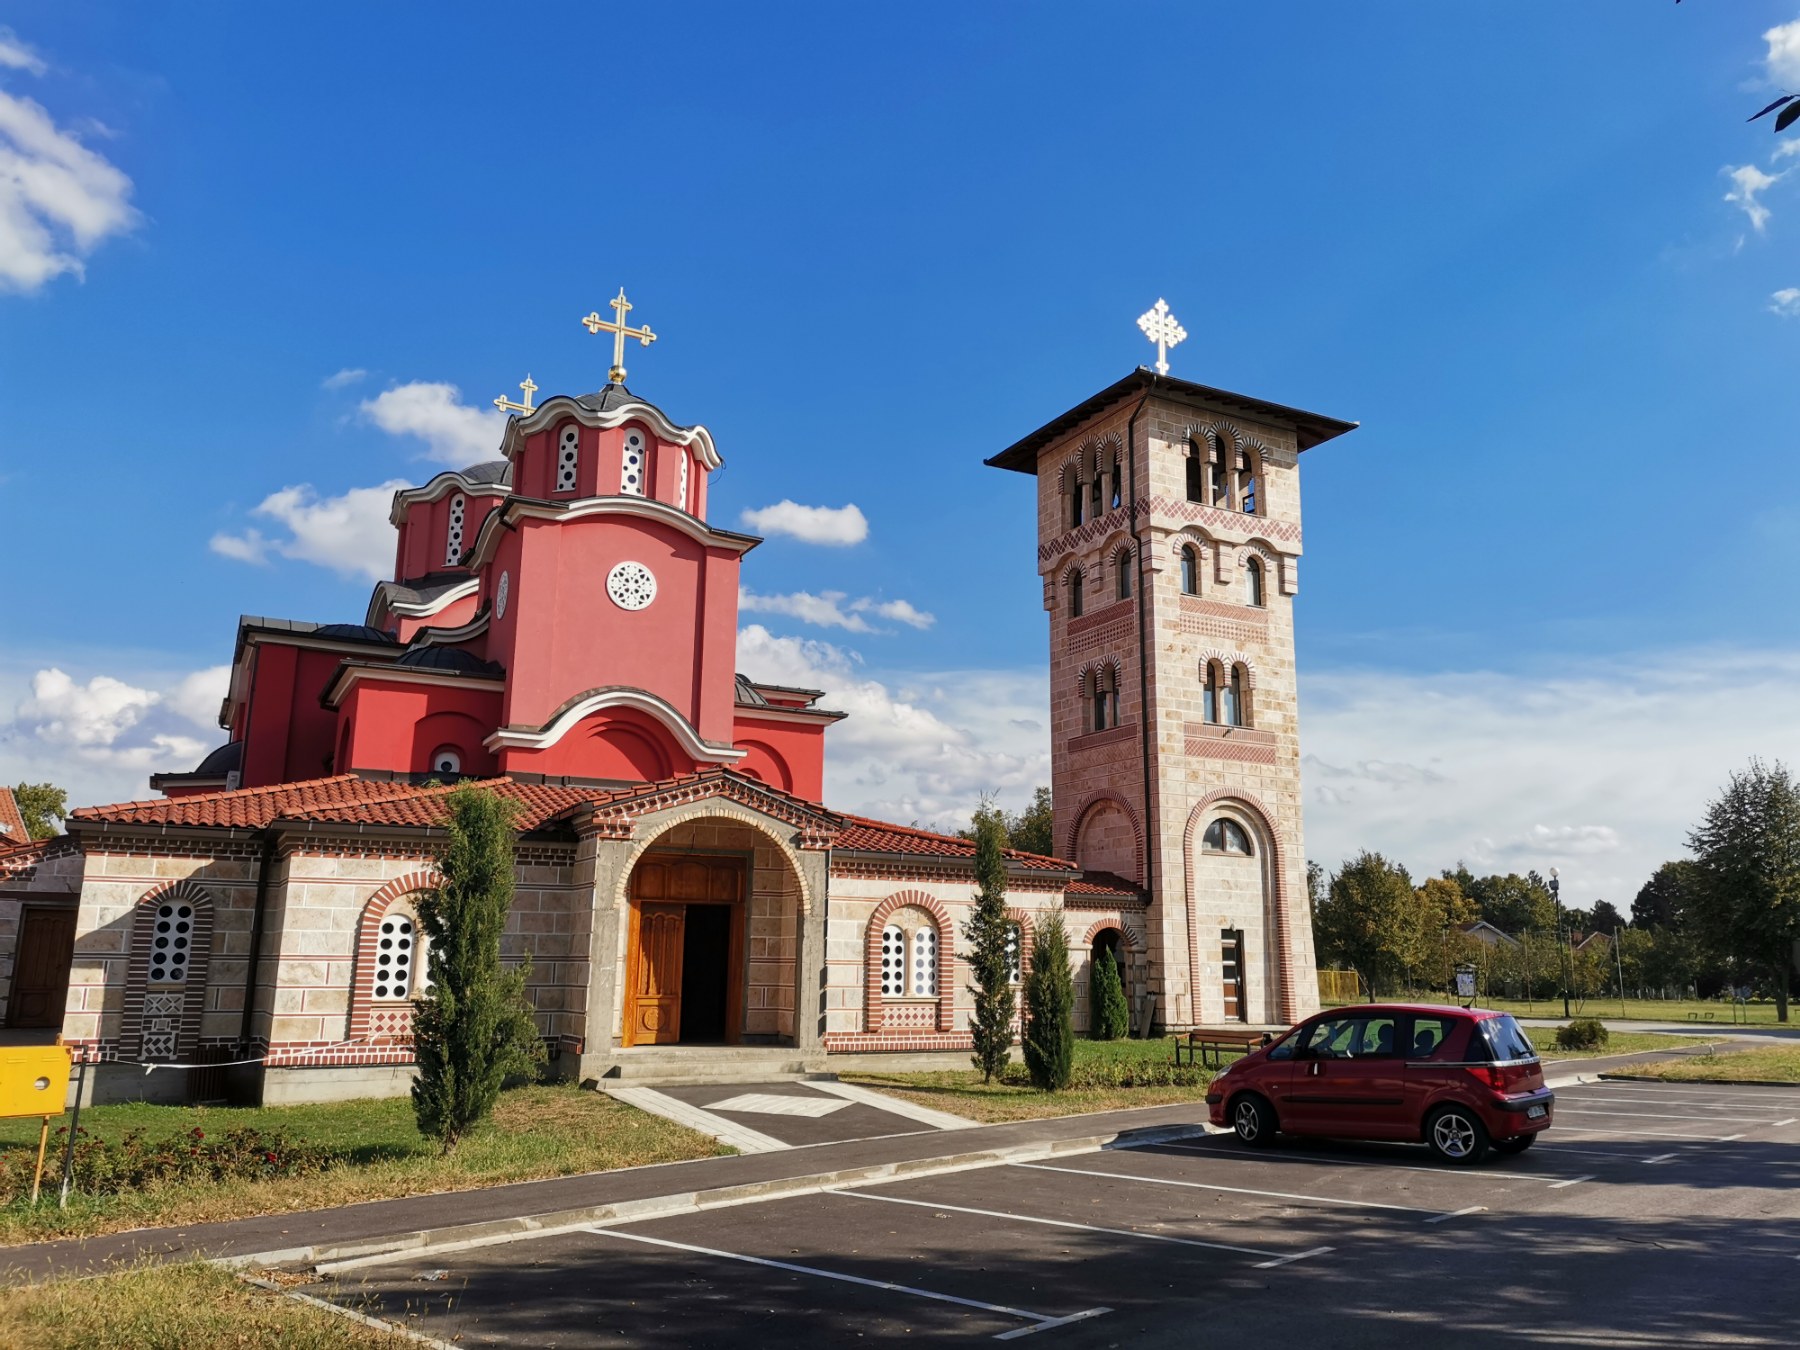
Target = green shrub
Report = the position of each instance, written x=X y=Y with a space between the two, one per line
x=1110 y=1017
x=1115 y=1073
x=136 y=1162
x=1584 y=1033
x=1049 y=1006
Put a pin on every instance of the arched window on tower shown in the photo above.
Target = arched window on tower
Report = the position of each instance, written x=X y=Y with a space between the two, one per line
x=1196 y=472
x=1218 y=479
x=1246 y=481
x=1096 y=493
x=1237 y=699
x=1190 y=570
x=1226 y=836
x=1076 y=598
x=1104 y=697
x=1253 y=583
x=1116 y=498
x=1122 y=561
x=1210 y=699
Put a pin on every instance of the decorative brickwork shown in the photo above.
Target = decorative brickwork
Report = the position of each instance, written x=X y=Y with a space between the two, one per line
x=1237 y=745
x=163 y=1022
x=369 y=1020
x=879 y=1013
x=1072 y=841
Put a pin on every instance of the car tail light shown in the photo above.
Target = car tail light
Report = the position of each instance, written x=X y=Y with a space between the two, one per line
x=1489 y=1075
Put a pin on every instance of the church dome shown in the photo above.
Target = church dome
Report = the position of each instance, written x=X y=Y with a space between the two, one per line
x=616 y=396
x=454 y=660
x=354 y=632
x=488 y=471
x=226 y=759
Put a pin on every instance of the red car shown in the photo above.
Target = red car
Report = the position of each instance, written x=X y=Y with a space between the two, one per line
x=1462 y=1080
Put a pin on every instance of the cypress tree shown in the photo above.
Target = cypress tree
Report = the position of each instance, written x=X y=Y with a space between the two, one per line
x=1106 y=993
x=472 y=1029
x=1049 y=1009
x=987 y=932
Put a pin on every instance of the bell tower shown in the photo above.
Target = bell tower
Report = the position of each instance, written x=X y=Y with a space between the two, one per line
x=1169 y=544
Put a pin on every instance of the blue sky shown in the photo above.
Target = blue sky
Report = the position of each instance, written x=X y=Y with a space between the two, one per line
x=1545 y=599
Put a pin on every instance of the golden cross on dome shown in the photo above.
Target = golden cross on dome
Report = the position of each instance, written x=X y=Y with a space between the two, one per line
x=505 y=404
x=620 y=331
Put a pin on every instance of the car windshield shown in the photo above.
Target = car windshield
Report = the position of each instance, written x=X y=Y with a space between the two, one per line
x=1507 y=1038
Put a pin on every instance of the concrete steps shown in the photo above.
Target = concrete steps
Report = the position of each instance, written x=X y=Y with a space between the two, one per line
x=674 y=1065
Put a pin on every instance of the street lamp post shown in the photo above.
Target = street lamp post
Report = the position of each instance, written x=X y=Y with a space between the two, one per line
x=1568 y=974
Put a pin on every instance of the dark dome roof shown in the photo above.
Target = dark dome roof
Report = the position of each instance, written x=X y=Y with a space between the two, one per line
x=226 y=758
x=488 y=471
x=354 y=632
x=452 y=659
x=614 y=396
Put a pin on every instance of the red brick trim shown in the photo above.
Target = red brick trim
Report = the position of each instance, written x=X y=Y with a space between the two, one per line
x=1088 y=803
x=946 y=934
x=1116 y=925
x=362 y=979
x=137 y=969
x=851 y=1042
x=1284 y=951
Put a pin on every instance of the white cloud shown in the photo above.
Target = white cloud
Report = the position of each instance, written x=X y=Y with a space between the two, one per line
x=197 y=697
x=346 y=376
x=1601 y=775
x=58 y=199
x=833 y=525
x=94 y=714
x=1786 y=149
x=828 y=610
x=349 y=533
x=927 y=752
x=1783 y=58
x=1786 y=302
x=453 y=432
x=16 y=55
x=1750 y=183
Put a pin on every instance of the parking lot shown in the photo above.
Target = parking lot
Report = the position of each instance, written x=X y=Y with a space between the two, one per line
x=1652 y=1215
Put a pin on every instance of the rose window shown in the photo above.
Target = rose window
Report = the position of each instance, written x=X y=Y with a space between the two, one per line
x=631 y=585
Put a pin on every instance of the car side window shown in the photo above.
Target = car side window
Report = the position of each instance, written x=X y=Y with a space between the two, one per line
x=1429 y=1037
x=1335 y=1038
x=1285 y=1047
x=1378 y=1038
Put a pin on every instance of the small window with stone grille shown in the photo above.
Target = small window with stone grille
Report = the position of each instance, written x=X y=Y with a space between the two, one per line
x=893 y=961
x=925 y=962
x=1190 y=570
x=568 y=454
x=171 y=943
x=634 y=465
x=399 y=957
x=1014 y=935
x=453 y=533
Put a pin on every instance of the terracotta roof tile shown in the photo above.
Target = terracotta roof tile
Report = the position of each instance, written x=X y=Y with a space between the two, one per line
x=426 y=808
x=12 y=821
x=1104 y=883
x=246 y=808
x=877 y=836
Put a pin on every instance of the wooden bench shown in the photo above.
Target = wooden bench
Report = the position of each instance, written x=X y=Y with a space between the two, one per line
x=1209 y=1045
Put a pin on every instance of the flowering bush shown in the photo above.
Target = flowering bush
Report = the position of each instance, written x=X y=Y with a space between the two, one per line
x=136 y=1162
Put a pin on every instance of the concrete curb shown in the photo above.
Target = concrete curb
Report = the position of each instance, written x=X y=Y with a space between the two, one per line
x=328 y=1259
x=1696 y=1082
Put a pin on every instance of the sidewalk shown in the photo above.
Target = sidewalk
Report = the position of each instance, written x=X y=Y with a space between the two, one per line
x=317 y=1235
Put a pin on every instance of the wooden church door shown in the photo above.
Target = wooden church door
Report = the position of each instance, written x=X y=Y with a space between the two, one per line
x=654 y=1014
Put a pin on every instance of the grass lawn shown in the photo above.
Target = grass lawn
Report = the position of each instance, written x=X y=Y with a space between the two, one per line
x=1705 y=1012
x=1619 y=1043
x=1778 y=1064
x=1109 y=1076
x=178 y=1307
x=534 y=1132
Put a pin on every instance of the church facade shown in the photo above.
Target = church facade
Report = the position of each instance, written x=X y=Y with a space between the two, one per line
x=561 y=625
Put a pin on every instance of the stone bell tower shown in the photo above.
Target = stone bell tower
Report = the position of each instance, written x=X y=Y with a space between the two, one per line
x=1169 y=544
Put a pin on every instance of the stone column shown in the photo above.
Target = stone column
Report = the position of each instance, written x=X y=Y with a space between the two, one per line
x=809 y=963
x=599 y=869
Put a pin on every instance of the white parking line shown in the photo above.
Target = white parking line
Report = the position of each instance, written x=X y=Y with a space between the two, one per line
x=1762 y=1098
x=1656 y=1115
x=1789 y=1121
x=1457 y=1214
x=1326 y=1158
x=1240 y=1190
x=1654 y=1134
x=1274 y=1259
x=1710 y=1103
x=1039 y=1321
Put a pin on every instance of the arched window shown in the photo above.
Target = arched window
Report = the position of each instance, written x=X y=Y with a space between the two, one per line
x=633 y=465
x=1013 y=951
x=1122 y=561
x=681 y=497
x=1105 y=699
x=1116 y=498
x=446 y=759
x=924 y=962
x=1096 y=493
x=1246 y=482
x=1075 y=594
x=1211 y=697
x=399 y=957
x=1077 y=497
x=1190 y=570
x=1226 y=836
x=453 y=533
x=1253 y=583
x=1237 y=711
x=1196 y=473
x=1218 y=479
x=568 y=451
x=893 y=961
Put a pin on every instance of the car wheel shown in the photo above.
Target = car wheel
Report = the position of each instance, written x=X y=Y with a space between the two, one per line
x=1253 y=1120
x=1456 y=1135
x=1518 y=1145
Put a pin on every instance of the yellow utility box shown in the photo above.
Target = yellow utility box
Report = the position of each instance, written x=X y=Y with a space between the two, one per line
x=34 y=1079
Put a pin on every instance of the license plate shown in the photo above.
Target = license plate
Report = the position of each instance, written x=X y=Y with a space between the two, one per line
x=1534 y=1112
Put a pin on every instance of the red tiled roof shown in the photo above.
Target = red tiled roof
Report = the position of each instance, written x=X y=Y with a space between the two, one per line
x=877 y=836
x=247 y=808
x=1103 y=883
x=12 y=821
x=426 y=808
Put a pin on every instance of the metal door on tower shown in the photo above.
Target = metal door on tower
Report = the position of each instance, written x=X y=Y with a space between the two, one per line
x=1231 y=976
x=656 y=997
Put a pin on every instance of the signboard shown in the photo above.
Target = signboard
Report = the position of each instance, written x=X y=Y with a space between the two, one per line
x=1465 y=981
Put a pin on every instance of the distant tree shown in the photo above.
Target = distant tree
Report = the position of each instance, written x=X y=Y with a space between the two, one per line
x=1462 y=876
x=1747 y=847
x=1049 y=1009
x=44 y=807
x=1604 y=917
x=472 y=1029
x=987 y=932
x=1111 y=1015
x=1372 y=921
x=1514 y=904
x=1318 y=885
x=1033 y=829
x=1668 y=897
